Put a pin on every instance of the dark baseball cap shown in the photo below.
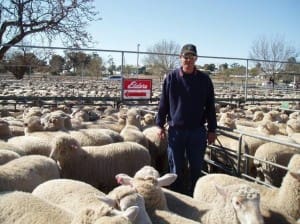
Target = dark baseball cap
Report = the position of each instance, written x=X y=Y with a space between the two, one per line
x=189 y=49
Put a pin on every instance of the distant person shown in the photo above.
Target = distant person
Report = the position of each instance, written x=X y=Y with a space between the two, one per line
x=271 y=80
x=187 y=102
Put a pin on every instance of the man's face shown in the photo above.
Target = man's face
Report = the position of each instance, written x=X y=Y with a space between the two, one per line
x=188 y=62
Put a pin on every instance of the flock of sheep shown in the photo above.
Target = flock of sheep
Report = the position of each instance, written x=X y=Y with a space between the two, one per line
x=100 y=164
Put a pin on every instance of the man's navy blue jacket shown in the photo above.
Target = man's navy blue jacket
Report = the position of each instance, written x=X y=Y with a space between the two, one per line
x=187 y=101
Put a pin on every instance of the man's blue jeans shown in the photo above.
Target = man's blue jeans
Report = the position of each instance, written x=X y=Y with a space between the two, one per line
x=190 y=145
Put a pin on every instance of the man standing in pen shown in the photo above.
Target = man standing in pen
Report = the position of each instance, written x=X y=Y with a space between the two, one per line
x=187 y=103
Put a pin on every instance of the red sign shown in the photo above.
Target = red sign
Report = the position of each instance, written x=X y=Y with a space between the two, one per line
x=137 y=88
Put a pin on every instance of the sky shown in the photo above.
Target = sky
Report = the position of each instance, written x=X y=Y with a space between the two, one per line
x=220 y=28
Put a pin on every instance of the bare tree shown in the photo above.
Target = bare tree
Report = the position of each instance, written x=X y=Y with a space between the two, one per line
x=166 y=60
x=274 y=51
x=46 y=19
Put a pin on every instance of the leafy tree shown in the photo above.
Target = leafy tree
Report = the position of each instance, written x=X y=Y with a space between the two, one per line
x=20 y=63
x=254 y=71
x=237 y=69
x=56 y=63
x=112 y=67
x=45 y=19
x=223 y=66
x=292 y=67
x=210 y=67
x=94 y=65
x=77 y=61
x=291 y=70
x=165 y=59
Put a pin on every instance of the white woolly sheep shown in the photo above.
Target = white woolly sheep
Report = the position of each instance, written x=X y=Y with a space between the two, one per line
x=7 y=155
x=132 y=130
x=227 y=119
x=4 y=130
x=86 y=137
x=296 y=137
x=32 y=145
x=22 y=207
x=99 y=164
x=258 y=116
x=248 y=145
x=26 y=172
x=149 y=186
x=117 y=125
x=25 y=208
x=275 y=153
x=76 y=196
x=16 y=130
x=56 y=121
x=294 y=115
x=147 y=121
x=238 y=204
x=285 y=199
x=125 y=197
x=157 y=149
x=91 y=137
x=293 y=126
x=16 y=126
x=126 y=217
x=133 y=134
x=116 y=137
x=32 y=111
x=6 y=146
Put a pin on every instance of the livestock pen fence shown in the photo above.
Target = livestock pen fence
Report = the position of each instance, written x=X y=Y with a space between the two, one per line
x=237 y=90
x=238 y=161
x=241 y=88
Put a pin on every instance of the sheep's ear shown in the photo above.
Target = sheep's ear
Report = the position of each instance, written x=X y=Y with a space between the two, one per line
x=296 y=175
x=123 y=179
x=222 y=191
x=131 y=213
x=166 y=179
x=107 y=200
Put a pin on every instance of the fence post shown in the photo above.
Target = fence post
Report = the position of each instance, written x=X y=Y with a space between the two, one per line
x=122 y=74
x=246 y=81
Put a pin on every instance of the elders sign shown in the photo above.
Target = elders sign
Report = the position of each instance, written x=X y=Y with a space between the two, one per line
x=137 y=88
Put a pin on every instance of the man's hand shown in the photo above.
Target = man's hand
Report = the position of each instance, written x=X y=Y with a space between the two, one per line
x=211 y=137
x=161 y=133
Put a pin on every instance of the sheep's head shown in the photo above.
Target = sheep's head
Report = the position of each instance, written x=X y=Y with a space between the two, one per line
x=258 y=116
x=32 y=124
x=149 y=186
x=268 y=127
x=63 y=145
x=146 y=171
x=294 y=164
x=122 y=196
x=293 y=126
x=53 y=121
x=148 y=119
x=33 y=111
x=245 y=202
x=106 y=215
